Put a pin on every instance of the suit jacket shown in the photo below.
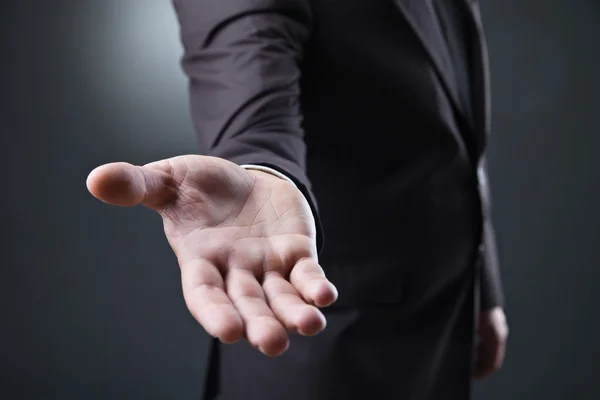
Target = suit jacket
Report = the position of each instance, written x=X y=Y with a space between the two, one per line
x=357 y=102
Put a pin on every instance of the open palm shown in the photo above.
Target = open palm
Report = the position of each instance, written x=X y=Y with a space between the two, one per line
x=244 y=240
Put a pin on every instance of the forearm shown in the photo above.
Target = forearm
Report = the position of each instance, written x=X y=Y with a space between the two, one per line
x=242 y=61
x=241 y=58
x=491 y=293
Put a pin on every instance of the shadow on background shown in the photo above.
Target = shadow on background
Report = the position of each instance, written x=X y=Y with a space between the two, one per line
x=90 y=298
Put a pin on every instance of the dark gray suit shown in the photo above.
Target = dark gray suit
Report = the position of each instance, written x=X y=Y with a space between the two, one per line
x=360 y=102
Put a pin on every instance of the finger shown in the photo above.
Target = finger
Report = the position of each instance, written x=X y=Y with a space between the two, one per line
x=203 y=290
x=490 y=357
x=289 y=308
x=499 y=354
x=481 y=370
x=126 y=185
x=263 y=330
x=308 y=278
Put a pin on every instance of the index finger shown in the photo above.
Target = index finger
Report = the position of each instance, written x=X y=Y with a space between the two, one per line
x=205 y=296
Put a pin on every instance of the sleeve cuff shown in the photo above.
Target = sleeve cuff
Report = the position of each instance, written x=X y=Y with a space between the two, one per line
x=268 y=170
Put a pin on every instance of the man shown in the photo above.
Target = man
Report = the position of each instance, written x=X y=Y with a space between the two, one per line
x=365 y=120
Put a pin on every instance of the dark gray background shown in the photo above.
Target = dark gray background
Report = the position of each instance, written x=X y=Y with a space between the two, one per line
x=90 y=302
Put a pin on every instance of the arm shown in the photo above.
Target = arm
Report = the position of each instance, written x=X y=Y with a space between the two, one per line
x=242 y=60
x=230 y=228
x=491 y=283
x=492 y=328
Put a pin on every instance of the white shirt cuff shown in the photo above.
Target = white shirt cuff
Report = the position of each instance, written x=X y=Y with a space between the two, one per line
x=268 y=171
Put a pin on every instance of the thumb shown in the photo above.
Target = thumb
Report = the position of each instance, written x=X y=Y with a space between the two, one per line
x=127 y=185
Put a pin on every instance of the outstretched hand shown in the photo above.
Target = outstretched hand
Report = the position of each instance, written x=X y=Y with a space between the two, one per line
x=244 y=240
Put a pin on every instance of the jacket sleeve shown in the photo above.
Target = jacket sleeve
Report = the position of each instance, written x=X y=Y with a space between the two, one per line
x=491 y=294
x=242 y=60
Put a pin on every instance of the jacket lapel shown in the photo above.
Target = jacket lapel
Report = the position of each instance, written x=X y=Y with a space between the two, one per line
x=422 y=18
